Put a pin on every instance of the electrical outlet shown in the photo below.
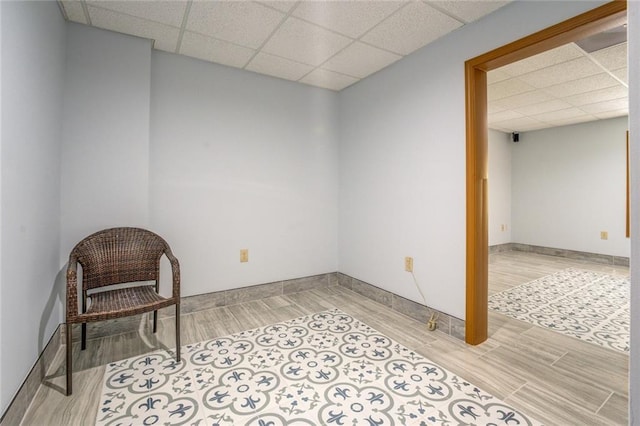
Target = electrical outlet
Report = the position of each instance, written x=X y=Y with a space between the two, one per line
x=408 y=264
x=604 y=235
x=244 y=255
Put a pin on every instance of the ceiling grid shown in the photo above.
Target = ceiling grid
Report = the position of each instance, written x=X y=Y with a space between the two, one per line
x=334 y=44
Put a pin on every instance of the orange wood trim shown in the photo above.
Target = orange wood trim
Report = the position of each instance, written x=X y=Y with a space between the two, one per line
x=606 y=16
x=477 y=234
x=592 y=22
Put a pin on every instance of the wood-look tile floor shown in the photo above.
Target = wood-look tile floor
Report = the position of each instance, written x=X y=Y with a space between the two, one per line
x=556 y=379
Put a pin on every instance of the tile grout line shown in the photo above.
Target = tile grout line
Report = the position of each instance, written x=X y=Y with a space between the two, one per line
x=604 y=403
x=515 y=390
x=560 y=358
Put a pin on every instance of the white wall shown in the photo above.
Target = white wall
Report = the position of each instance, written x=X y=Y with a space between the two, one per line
x=240 y=160
x=569 y=183
x=105 y=161
x=499 y=170
x=633 y=18
x=2 y=401
x=33 y=52
x=402 y=159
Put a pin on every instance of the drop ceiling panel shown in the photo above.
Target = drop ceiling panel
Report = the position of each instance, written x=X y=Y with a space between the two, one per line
x=492 y=108
x=165 y=36
x=573 y=120
x=612 y=114
x=303 y=42
x=622 y=74
x=543 y=107
x=468 y=11
x=561 y=73
x=559 y=115
x=279 y=67
x=613 y=57
x=360 y=60
x=504 y=115
x=615 y=92
x=521 y=100
x=281 y=5
x=507 y=88
x=413 y=26
x=600 y=107
x=328 y=79
x=497 y=76
x=521 y=124
x=213 y=50
x=244 y=23
x=543 y=60
x=582 y=85
x=165 y=12
x=351 y=18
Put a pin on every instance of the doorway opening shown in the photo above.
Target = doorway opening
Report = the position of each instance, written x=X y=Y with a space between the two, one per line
x=592 y=22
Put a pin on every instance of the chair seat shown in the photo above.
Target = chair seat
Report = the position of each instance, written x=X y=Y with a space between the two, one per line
x=123 y=302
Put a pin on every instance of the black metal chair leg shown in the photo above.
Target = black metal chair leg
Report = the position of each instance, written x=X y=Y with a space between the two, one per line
x=155 y=321
x=69 y=359
x=83 y=345
x=178 y=332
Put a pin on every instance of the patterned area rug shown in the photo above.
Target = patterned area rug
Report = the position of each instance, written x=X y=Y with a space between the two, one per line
x=326 y=368
x=591 y=306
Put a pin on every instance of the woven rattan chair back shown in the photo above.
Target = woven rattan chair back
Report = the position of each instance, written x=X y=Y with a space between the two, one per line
x=118 y=256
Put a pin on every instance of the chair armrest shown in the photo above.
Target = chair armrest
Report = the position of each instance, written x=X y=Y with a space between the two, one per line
x=175 y=269
x=72 y=289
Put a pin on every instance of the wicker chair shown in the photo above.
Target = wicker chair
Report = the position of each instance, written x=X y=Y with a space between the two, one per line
x=117 y=256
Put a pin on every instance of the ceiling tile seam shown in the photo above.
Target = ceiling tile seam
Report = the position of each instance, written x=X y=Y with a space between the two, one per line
x=402 y=55
x=319 y=67
x=510 y=120
x=85 y=9
x=333 y=56
x=596 y=102
x=404 y=4
x=219 y=39
x=599 y=102
x=280 y=57
x=306 y=21
x=543 y=68
x=132 y=16
x=557 y=111
x=533 y=89
x=359 y=40
x=267 y=5
x=183 y=26
x=275 y=30
x=555 y=98
x=605 y=69
x=63 y=10
x=446 y=12
x=389 y=16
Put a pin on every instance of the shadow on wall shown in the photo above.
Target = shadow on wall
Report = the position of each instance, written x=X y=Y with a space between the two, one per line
x=57 y=295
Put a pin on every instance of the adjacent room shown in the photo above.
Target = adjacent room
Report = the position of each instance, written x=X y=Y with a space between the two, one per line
x=559 y=189
x=302 y=166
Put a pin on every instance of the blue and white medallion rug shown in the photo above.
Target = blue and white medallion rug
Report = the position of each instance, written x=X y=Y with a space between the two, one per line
x=590 y=306
x=322 y=369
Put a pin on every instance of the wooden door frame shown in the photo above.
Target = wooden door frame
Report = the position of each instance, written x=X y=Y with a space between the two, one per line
x=606 y=16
